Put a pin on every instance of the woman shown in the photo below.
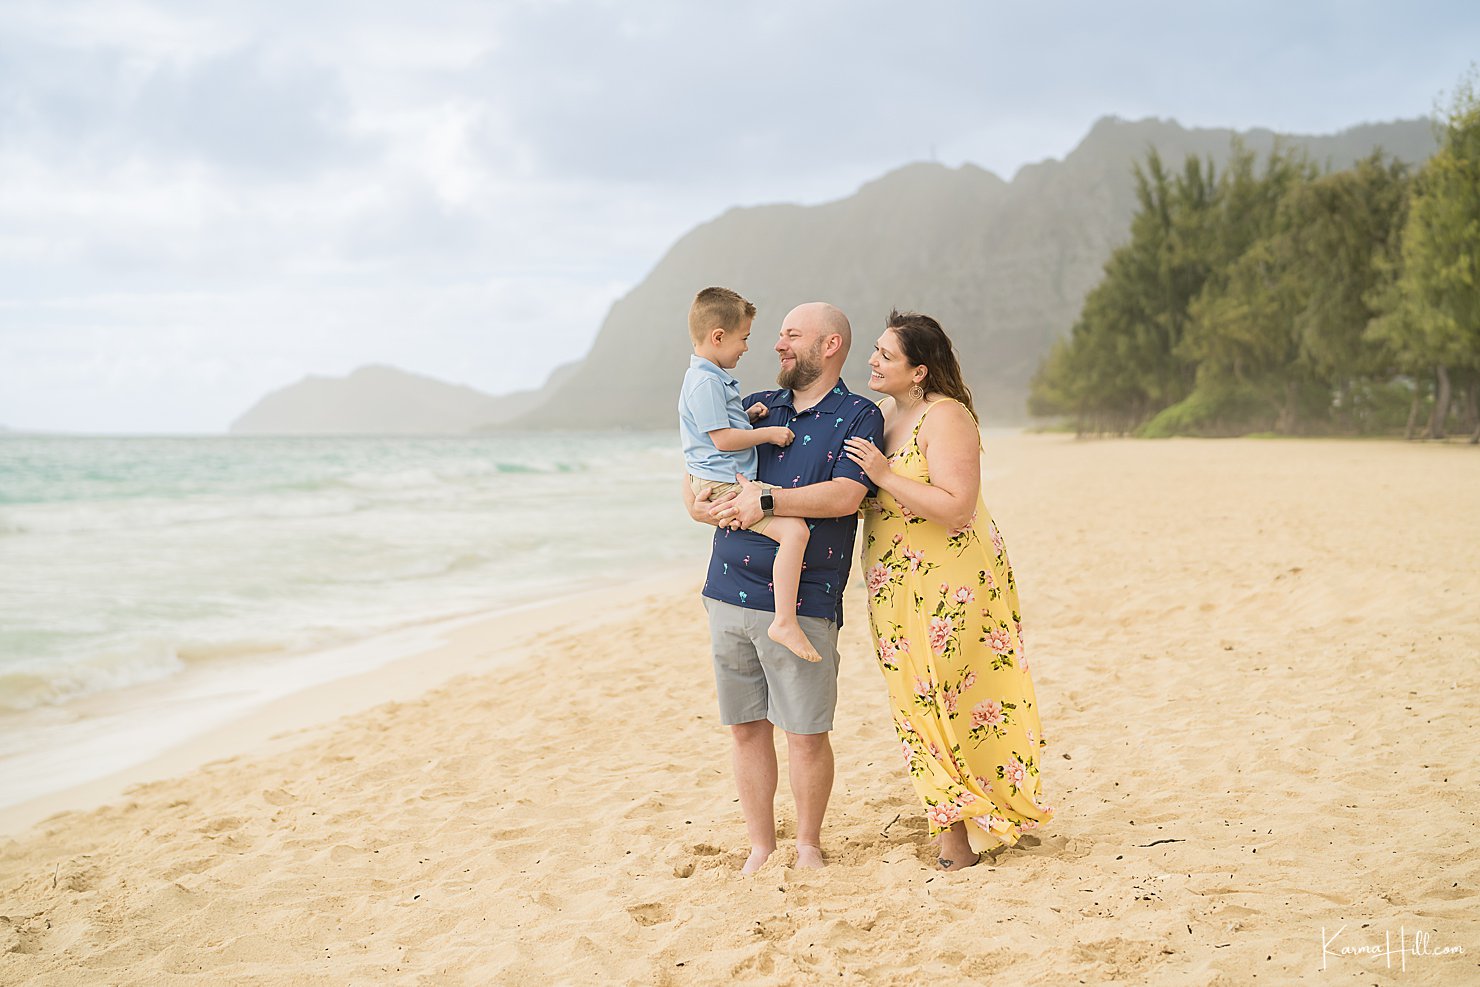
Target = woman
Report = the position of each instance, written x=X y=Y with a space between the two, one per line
x=943 y=604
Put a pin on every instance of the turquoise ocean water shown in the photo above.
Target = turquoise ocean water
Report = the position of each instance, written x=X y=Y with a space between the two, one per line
x=126 y=562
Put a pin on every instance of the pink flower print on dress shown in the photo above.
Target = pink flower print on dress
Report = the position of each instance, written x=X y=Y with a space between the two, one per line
x=987 y=713
x=940 y=632
x=877 y=577
x=887 y=650
x=965 y=798
x=923 y=687
x=934 y=751
x=965 y=595
x=915 y=557
x=907 y=751
x=945 y=589
x=948 y=699
x=1016 y=772
x=999 y=642
x=898 y=538
x=996 y=537
x=968 y=681
x=991 y=823
x=958 y=532
x=903 y=644
x=943 y=815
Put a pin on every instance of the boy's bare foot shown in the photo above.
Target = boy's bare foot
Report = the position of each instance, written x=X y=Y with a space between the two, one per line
x=756 y=860
x=791 y=636
x=809 y=857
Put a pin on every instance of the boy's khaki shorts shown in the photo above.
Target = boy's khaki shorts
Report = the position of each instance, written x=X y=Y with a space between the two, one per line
x=718 y=488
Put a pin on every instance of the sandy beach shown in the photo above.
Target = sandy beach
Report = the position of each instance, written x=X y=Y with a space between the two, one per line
x=1256 y=662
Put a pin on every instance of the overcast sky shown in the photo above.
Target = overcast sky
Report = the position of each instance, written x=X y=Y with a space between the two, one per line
x=204 y=201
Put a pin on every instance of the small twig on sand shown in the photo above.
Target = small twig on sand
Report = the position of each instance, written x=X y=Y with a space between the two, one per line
x=891 y=823
x=1155 y=842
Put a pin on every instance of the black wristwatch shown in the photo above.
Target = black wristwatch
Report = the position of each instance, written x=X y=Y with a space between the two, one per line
x=768 y=504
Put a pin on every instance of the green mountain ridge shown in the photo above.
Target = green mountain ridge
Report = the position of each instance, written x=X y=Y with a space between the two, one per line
x=1005 y=266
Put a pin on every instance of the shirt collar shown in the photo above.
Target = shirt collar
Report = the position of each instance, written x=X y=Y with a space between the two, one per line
x=697 y=362
x=830 y=402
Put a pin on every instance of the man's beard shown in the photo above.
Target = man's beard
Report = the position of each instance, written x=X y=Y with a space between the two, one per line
x=805 y=369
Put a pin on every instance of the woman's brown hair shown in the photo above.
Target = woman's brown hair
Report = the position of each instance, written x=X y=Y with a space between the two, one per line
x=926 y=344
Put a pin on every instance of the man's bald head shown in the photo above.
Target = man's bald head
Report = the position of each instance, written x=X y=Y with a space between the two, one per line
x=815 y=338
x=819 y=319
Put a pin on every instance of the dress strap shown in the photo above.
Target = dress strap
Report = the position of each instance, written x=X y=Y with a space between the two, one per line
x=921 y=420
x=932 y=404
x=915 y=435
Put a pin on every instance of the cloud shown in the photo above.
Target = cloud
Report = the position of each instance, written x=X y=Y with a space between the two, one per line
x=246 y=111
x=668 y=93
x=250 y=111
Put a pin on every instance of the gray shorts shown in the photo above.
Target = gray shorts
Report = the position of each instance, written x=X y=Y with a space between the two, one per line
x=758 y=679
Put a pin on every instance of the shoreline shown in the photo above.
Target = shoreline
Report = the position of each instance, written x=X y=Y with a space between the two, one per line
x=425 y=656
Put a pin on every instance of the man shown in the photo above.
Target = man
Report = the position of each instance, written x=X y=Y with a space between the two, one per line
x=762 y=685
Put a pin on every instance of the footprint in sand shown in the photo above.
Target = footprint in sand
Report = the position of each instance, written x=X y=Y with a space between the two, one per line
x=222 y=824
x=20 y=935
x=650 y=913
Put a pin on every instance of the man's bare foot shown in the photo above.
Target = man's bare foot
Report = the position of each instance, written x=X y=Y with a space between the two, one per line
x=757 y=859
x=789 y=634
x=809 y=857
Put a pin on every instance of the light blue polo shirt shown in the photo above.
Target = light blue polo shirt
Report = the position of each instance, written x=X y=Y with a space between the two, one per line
x=710 y=399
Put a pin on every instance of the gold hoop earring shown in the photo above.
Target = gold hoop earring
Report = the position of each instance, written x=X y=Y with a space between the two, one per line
x=917 y=393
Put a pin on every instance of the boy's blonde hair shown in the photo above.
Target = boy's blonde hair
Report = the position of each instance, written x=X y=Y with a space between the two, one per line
x=717 y=308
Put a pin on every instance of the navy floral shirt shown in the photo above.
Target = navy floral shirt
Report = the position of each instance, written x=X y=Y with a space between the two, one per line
x=740 y=564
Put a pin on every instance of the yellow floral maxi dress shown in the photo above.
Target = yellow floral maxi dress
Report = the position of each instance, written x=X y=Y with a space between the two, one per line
x=943 y=607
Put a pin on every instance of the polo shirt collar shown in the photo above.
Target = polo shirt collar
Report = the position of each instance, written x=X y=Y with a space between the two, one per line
x=829 y=403
x=697 y=362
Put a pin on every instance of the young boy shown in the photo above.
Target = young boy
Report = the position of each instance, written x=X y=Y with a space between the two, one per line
x=719 y=443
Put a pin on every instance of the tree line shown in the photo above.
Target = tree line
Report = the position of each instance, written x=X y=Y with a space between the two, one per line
x=1276 y=297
